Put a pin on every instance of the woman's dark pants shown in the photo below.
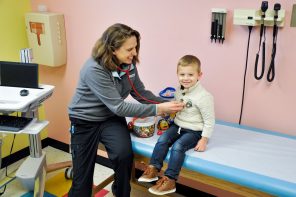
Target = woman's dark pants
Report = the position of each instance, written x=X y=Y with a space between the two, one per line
x=85 y=137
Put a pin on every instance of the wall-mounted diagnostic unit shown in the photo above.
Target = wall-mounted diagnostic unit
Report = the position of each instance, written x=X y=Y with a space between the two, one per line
x=47 y=38
x=218 y=24
x=265 y=17
x=250 y=17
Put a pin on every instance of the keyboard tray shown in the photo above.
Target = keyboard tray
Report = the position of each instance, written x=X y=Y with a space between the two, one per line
x=14 y=123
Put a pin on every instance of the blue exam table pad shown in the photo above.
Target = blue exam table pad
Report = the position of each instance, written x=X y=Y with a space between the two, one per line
x=254 y=158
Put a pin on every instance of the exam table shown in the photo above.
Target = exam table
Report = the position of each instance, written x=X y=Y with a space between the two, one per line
x=239 y=160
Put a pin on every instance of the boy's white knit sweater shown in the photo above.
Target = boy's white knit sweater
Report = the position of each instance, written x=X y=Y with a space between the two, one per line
x=198 y=113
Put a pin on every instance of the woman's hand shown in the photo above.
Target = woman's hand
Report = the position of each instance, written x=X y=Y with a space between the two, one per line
x=169 y=107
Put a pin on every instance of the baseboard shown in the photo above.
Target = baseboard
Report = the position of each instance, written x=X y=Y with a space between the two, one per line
x=14 y=157
x=58 y=145
x=10 y=159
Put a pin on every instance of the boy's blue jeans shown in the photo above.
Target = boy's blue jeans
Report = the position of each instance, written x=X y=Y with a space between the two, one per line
x=180 y=143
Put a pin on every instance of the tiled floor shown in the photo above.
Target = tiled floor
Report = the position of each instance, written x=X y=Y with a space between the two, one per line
x=16 y=189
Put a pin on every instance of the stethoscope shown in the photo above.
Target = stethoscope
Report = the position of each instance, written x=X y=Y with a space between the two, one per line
x=127 y=72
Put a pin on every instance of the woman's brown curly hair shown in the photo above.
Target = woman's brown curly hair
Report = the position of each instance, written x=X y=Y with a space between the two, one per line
x=112 y=39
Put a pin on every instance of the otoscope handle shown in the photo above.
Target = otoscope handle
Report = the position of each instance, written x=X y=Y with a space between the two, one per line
x=263 y=56
x=256 y=61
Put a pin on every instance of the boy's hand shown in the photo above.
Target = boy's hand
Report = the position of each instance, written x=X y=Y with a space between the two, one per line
x=201 y=144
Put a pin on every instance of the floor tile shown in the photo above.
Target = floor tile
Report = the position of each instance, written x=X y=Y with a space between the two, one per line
x=53 y=155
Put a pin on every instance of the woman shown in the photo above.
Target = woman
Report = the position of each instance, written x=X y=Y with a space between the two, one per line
x=97 y=111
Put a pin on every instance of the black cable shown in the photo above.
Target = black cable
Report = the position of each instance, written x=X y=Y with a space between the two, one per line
x=244 y=84
x=11 y=148
x=263 y=49
x=262 y=32
x=1 y=193
x=264 y=7
x=4 y=189
x=271 y=70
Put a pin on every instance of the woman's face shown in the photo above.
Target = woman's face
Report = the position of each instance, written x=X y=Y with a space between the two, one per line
x=127 y=51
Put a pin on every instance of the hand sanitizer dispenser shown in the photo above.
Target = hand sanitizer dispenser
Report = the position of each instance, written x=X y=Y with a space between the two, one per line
x=47 y=38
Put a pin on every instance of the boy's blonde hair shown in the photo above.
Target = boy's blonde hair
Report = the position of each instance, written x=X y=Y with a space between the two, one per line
x=189 y=59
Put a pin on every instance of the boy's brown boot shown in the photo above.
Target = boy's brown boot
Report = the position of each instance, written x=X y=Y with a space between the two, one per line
x=149 y=175
x=163 y=186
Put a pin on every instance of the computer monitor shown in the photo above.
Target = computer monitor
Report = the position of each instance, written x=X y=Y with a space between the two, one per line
x=17 y=74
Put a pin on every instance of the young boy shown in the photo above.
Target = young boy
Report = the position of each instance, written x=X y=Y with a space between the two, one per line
x=192 y=127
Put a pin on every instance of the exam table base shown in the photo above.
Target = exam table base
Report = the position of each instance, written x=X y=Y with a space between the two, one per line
x=200 y=182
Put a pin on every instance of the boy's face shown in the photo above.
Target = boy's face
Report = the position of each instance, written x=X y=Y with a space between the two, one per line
x=188 y=75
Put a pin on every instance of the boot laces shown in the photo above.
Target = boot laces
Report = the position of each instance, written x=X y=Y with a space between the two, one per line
x=163 y=181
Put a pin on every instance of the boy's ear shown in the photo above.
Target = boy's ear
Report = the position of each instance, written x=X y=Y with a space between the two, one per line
x=199 y=76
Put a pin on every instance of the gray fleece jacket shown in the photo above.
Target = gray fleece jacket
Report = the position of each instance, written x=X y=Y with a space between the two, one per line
x=100 y=94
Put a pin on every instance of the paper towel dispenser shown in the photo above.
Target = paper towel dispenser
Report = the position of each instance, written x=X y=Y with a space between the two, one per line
x=47 y=38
